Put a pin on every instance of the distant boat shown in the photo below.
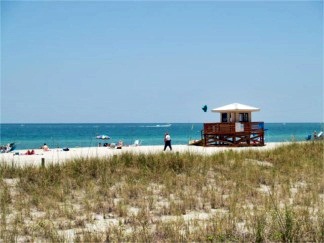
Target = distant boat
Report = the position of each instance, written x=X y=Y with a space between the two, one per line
x=164 y=125
x=159 y=125
x=8 y=148
x=104 y=137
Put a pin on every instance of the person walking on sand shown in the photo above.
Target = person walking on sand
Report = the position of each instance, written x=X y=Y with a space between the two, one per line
x=167 y=141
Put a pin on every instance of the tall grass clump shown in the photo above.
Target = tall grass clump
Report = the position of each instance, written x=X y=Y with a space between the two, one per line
x=258 y=196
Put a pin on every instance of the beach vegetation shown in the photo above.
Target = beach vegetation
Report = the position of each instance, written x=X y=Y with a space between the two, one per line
x=255 y=196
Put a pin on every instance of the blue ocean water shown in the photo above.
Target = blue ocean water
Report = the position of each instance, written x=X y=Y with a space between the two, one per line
x=28 y=136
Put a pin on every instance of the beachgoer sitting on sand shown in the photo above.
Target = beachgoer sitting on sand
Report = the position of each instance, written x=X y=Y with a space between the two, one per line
x=30 y=152
x=315 y=134
x=120 y=145
x=45 y=147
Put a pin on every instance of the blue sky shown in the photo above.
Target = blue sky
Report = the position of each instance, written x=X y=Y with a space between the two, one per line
x=160 y=61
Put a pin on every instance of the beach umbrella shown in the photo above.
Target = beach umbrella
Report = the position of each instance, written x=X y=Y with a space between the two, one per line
x=103 y=137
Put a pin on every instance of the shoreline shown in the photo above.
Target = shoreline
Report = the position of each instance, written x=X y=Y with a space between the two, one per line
x=57 y=155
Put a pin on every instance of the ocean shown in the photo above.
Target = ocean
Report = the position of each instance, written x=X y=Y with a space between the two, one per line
x=31 y=136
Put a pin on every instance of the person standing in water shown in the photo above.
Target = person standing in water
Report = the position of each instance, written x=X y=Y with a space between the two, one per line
x=167 y=141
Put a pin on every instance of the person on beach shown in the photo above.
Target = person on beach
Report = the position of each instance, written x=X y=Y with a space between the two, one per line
x=315 y=134
x=120 y=144
x=45 y=147
x=167 y=141
x=30 y=152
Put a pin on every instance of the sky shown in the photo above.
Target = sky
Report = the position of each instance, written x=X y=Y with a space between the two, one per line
x=160 y=61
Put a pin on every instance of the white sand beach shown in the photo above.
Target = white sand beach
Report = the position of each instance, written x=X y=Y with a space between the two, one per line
x=18 y=157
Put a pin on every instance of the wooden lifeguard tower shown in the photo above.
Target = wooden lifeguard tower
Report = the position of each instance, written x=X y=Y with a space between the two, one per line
x=235 y=127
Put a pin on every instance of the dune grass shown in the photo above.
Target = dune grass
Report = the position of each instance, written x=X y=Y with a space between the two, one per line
x=275 y=195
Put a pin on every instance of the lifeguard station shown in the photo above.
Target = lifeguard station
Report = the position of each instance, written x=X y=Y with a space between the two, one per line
x=235 y=127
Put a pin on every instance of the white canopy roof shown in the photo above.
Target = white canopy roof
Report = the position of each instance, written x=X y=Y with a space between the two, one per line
x=235 y=107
